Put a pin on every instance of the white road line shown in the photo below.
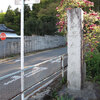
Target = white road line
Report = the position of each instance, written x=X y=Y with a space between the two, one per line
x=17 y=60
x=14 y=78
x=57 y=60
x=34 y=71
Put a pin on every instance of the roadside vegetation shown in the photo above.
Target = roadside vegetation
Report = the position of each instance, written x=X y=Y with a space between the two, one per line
x=41 y=20
x=55 y=95
x=93 y=65
x=91 y=35
x=91 y=32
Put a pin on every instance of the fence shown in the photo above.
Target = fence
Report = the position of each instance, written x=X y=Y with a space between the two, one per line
x=32 y=43
x=35 y=78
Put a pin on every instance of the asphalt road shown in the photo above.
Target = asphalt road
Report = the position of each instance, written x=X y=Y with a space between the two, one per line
x=10 y=86
x=13 y=65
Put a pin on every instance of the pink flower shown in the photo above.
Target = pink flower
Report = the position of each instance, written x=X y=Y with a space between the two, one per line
x=78 y=3
x=61 y=23
x=57 y=15
x=92 y=3
x=69 y=8
x=84 y=0
x=59 y=30
x=86 y=24
x=61 y=27
x=85 y=12
x=89 y=8
x=92 y=49
x=57 y=23
x=91 y=28
x=96 y=41
x=98 y=17
x=94 y=14
x=87 y=4
x=57 y=8
x=92 y=25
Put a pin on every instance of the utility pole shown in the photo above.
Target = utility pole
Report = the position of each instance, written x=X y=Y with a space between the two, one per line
x=22 y=49
x=22 y=2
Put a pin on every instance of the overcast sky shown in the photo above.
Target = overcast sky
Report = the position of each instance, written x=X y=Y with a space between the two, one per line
x=5 y=3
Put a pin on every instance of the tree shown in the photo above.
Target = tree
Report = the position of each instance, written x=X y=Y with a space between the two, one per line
x=26 y=11
x=30 y=26
x=49 y=11
x=41 y=20
x=48 y=25
x=96 y=5
x=42 y=26
x=9 y=16
x=2 y=18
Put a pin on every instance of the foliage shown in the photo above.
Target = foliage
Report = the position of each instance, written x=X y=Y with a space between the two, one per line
x=45 y=9
x=12 y=19
x=54 y=94
x=42 y=26
x=48 y=25
x=91 y=21
x=30 y=26
x=2 y=18
x=91 y=29
x=68 y=5
x=50 y=10
x=26 y=11
x=93 y=65
x=65 y=97
x=40 y=20
x=98 y=47
x=9 y=16
x=91 y=32
x=64 y=80
x=96 y=5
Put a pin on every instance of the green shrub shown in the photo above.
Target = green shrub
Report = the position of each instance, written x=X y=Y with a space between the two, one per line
x=93 y=65
x=65 y=97
x=64 y=80
x=98 y=47
x=54 y=94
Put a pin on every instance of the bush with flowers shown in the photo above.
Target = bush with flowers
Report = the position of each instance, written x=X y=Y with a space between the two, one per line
x=91 y=32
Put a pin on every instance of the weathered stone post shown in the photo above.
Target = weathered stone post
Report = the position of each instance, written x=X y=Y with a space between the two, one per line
x=75 y=55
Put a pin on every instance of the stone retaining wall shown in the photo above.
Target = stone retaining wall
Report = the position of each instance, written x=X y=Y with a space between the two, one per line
x=9 y=46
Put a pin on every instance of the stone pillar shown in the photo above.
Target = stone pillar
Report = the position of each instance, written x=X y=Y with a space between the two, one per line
x=75 y=55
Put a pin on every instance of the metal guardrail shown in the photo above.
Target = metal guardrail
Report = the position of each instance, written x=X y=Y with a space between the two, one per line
x=6 y=76
x=29 y=69
x=55 y=75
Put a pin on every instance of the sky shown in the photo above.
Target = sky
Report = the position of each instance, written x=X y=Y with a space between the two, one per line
x=5 y=3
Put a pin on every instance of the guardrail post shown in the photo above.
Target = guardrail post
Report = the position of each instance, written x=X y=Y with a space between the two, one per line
x=62 y=66
x=75 y=49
